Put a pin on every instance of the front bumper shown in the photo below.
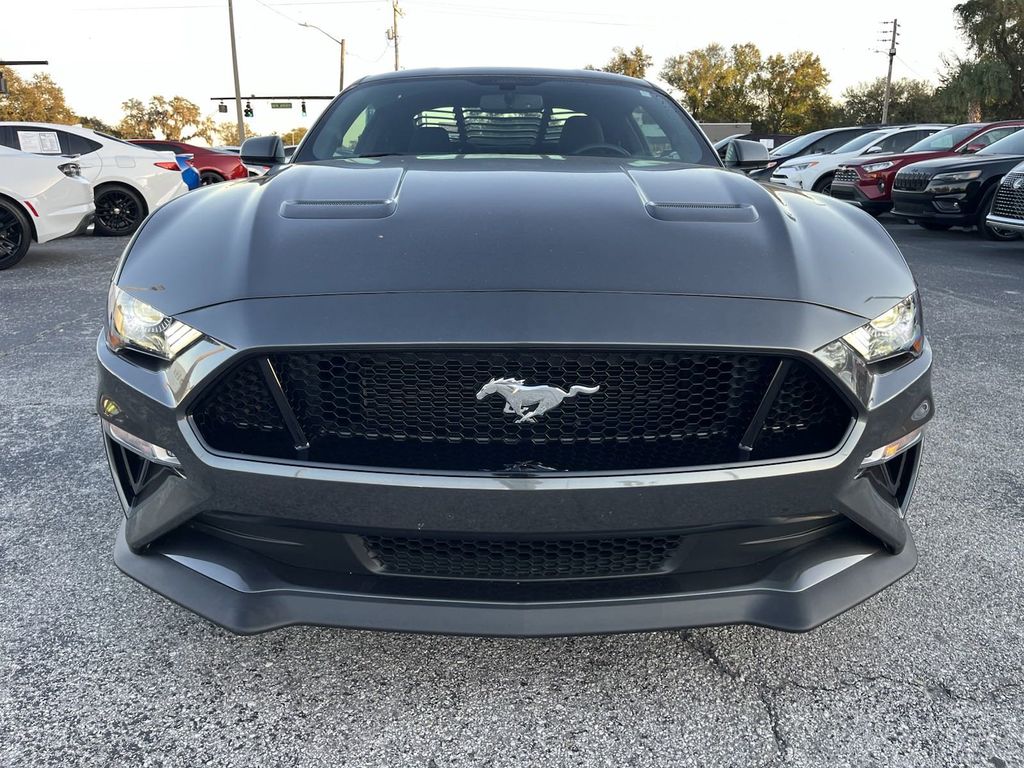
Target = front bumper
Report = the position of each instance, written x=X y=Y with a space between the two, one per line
x=866 y=197
x=955 y=210
x=256 y=544
x=1004 y=222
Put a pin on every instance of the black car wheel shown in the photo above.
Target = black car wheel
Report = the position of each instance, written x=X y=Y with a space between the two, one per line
x=210 y=177
x=823 y=185
x=985 y=229
x=119 y=211
x=15 y=235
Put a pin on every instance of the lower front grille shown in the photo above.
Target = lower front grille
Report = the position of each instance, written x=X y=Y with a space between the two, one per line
x=426 y=410
x=1009 y=200
x=521 y=560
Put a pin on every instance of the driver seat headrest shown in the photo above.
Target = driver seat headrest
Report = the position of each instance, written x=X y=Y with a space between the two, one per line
x=580 y=131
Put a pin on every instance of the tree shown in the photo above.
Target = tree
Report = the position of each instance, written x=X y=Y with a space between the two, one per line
x=294 y=136
x=634 y=64
x=37 y=100
x=697 y=76
x=974 y=90
x=995 y=31
x=227 y=132
x=781 y=93
x=910 y=101
x=175 y=119
x=791 y=91
x=97 y=125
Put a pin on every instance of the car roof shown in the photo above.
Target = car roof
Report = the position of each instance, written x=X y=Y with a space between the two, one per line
x=54 y=126
x=576 y=74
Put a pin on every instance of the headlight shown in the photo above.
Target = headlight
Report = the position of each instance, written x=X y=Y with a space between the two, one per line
x=802 y=166
x=135 y=325
x=957 y=181
x=891 y=333
x=874 y=167
x=895 y=332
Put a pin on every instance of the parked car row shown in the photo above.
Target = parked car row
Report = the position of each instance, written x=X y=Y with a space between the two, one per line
x=57 y=179
x=947 y=180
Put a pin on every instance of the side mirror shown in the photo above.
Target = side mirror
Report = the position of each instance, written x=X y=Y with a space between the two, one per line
x=745 y=155
x=263 y=150
x=970 y=149
x=874 y=150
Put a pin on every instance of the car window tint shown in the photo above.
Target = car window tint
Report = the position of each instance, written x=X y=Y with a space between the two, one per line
x=990 y=137
x=494 y=115
x=79 y=145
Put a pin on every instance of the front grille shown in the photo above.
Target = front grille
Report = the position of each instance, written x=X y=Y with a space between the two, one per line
x=911 y=181
x=521 y=560
x=419 y=410
x=1009 y=201
x=845 y=176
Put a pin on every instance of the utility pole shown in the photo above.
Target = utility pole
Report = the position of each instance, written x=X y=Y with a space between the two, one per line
x=341 y=71
x=234 y=66
x=888 y=77
x=392 y=34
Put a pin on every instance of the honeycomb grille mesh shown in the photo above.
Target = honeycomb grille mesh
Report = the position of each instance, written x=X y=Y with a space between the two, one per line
x=1009 y=202
x=499 y=559
x=420 y=410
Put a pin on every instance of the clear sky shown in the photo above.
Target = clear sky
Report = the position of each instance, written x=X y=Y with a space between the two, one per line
x=105 y=51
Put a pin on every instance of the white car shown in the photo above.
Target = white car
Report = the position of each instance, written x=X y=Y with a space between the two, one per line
x=41 y=199
x=128 y=181
x=815 y=172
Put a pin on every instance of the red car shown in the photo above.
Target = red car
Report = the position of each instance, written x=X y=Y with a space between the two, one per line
x=213 y=166
x=867 y=183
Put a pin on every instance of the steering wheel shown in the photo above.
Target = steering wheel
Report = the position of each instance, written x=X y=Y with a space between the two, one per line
x=592 y=149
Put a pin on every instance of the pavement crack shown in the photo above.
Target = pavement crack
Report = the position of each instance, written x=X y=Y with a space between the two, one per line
x=767 y=694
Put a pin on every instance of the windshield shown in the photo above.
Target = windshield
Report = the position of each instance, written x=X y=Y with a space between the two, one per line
x=504 y=115
x=945 y=139
x=864 y=140
x=793 y=146
x=1011 y=145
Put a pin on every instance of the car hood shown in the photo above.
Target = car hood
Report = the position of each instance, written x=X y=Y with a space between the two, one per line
x=965 y=162
x=406 y=224
x=900 y=158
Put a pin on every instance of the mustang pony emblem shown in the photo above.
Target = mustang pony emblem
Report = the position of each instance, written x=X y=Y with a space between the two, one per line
x=529 y=402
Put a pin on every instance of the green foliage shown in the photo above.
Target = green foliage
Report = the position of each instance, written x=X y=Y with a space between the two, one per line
x=975 y=90
x=97 y=125
x=910 y=101
x=995 y=31
x=38 y=100
x=634 y=64
x=175 y=119
x=780 y=93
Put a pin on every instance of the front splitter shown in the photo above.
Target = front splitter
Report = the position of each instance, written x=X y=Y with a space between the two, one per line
x=231 y=587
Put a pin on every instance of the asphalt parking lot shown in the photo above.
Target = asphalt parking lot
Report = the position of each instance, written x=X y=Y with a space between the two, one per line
x=96 y=670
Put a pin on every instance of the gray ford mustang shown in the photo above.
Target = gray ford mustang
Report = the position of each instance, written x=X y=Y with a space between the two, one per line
x=512 y=352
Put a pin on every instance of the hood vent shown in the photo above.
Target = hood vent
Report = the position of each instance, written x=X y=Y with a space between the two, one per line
x=337 y=209
x=729 y=213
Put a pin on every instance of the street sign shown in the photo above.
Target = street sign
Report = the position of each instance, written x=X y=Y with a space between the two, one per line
x=280 y=105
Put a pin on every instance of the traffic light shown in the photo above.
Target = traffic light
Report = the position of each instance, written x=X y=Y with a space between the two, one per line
x=248 y=109
x=303 y=107
x=222 y=107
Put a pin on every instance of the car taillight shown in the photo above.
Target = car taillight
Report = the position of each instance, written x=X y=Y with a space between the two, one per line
x=70 y=169
x=168 y=166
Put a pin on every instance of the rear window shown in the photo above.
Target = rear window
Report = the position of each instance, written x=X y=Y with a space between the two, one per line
x=505 y=116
